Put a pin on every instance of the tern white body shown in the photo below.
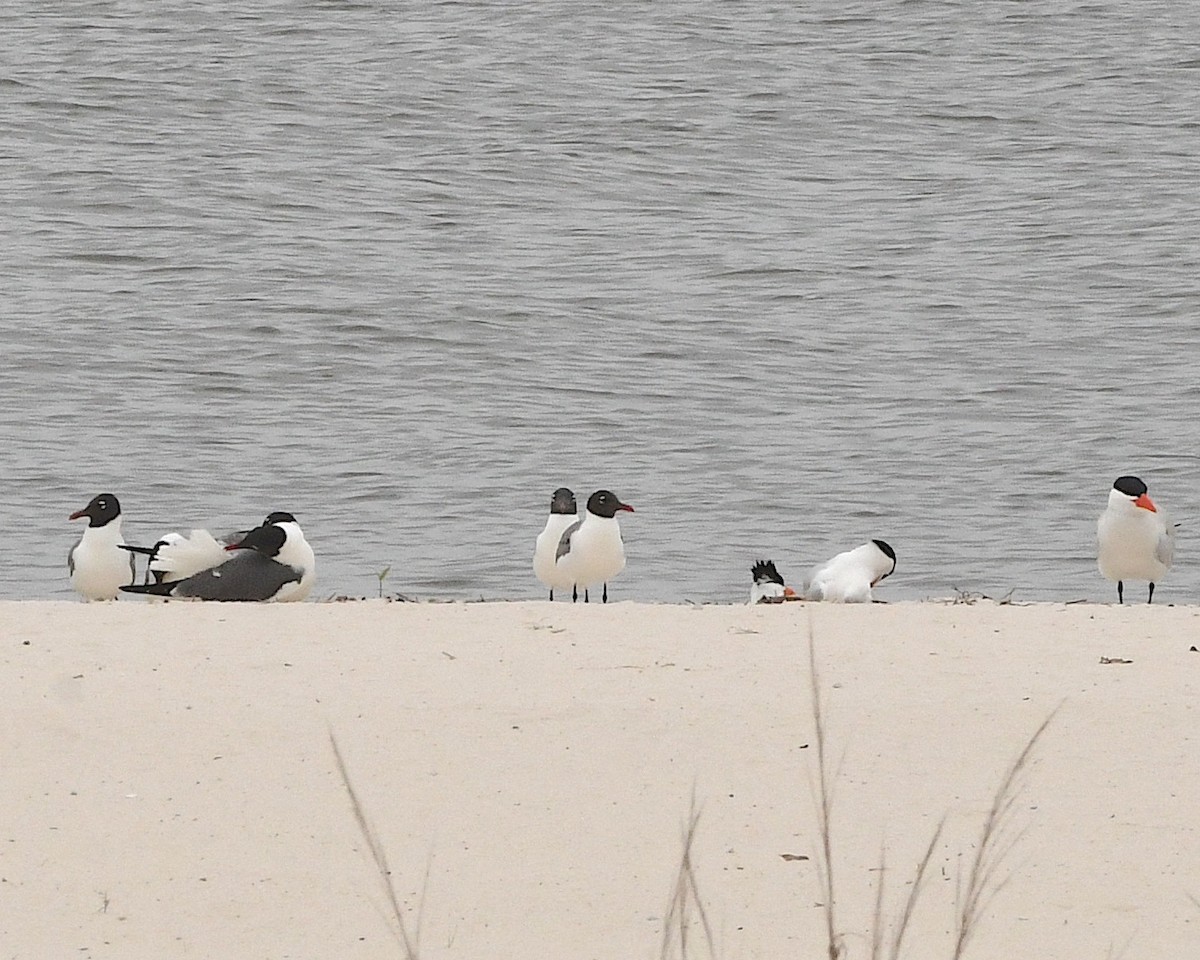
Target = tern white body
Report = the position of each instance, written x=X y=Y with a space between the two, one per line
x=850 y=576
x=768 y=590
x=180 y=557
x=767 y=585
x=1134 y=543
x=99 y=568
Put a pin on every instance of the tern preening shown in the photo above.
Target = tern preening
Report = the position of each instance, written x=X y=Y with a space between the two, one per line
x=1136 y=540
x=176 y=557
x=851 y=576
x=563 y=513
x=97 y=565
x=768 y=585
x=590 y=551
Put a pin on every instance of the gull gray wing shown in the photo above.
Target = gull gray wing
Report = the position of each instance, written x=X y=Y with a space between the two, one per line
x=564 y=542
x=71 y=560
x=248 y=576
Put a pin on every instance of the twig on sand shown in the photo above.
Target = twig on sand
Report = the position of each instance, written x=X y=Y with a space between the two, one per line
x=677 y=922
x=1114 y=954
x=411 y=945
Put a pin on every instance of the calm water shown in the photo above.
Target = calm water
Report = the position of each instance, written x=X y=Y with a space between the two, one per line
x=784 y=277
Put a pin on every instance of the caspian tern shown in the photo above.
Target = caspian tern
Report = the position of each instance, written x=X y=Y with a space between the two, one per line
x=849 y=577
x=1136 y=540
x=176 y=557
x=768 y=584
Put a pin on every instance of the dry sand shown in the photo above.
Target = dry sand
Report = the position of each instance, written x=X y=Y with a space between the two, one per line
x=169 y=787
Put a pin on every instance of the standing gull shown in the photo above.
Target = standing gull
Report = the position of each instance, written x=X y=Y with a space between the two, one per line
x=590 y=551
x=98 y=566
x=1135 y=539
x=849 y=577
x=563 y=513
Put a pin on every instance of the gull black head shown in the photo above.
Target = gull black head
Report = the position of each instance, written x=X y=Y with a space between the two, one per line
x=563 y=501
x=604 y=503
x=1130 y=486
x=267 y=540
x=886 y=549
x=279 y=516
x=101 y=509
x=763 y=571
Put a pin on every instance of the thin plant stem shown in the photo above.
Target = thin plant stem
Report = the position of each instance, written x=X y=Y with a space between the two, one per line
x=993 y=848
x=823 y=803
x=914 y=893
x=379 y=855
x=877 y=916
x=677 y=922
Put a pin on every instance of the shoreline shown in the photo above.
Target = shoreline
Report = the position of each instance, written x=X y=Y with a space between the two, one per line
x=529 y=767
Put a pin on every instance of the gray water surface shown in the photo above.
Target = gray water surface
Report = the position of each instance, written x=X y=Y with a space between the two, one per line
x=783 y=277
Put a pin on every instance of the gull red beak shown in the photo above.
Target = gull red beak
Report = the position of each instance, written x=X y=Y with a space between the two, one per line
x=625 y=506
x=233 y=546
x=77 y=514
x=1145 y=503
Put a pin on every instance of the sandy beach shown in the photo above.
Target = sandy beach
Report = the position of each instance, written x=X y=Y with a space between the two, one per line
x=171 y=790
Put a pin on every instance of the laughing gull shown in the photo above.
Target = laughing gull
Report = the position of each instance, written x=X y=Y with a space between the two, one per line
x=271 y=562
x=298 y=553
x=768 y=584
x=563 y=513
x=590 y=551
x=97 y=565
x=176 y=557
x=849 y=577
x=1136 y=540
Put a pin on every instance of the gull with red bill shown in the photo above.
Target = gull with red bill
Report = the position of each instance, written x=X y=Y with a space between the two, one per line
x=97 y=565
x=271 y=562
x=1136 y=540
x=591 y=551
